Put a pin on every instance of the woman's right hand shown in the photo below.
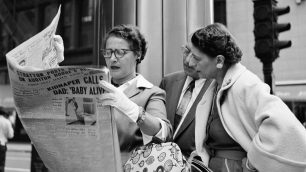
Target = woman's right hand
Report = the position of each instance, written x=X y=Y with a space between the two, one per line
x=116 y=98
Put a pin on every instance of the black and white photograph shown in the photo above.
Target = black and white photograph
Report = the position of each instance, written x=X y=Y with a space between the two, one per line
x=208 y=85
x=80 y=111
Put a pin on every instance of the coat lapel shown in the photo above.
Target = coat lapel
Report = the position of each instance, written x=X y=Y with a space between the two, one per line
x=176 y=90
x=232 y=75
x=201 y=116
x=191 y=114
x=230 y=78
x=131 y=90
x=137 y=86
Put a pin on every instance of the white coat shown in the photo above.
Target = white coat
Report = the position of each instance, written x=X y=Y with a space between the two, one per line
x=260 y=122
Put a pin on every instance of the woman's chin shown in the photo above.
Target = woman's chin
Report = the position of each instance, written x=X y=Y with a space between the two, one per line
x=115 y=73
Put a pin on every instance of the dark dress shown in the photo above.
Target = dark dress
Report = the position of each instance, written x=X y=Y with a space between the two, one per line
x=226 y=154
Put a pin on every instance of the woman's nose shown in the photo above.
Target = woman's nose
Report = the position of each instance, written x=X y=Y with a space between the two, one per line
x=113 y=57
x=190 y=60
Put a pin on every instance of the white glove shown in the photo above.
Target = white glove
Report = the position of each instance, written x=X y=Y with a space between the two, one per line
x=116 y=98
x=59 y=46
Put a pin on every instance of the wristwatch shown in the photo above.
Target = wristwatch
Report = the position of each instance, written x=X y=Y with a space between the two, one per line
x=142 y=116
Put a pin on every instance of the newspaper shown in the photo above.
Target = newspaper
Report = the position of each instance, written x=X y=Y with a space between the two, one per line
x=59 y=109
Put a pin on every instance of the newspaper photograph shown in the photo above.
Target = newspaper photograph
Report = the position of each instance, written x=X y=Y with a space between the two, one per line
x=60 y=110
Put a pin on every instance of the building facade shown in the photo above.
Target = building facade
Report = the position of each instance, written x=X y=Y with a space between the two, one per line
x=166 y=25
x=289 y=69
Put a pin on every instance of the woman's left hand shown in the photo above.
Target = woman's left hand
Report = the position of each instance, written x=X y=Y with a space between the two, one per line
x=116 y=98
x=59 y=47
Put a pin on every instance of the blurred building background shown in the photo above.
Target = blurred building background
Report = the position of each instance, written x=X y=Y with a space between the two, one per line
x=290 y=67
x=166 y=24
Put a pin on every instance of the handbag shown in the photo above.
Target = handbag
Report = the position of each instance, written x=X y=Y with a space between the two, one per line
x=161 y=157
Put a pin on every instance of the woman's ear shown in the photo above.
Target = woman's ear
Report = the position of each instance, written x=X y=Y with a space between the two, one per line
x=138 y=56
x=220 y=61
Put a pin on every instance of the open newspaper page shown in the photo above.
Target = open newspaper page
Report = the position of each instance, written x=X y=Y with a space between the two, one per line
x=59 y=109
x=39 y=51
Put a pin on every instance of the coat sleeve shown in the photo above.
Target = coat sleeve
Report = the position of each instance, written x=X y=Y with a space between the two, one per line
x=279 y=143
x=162 y=84
x=156 y=107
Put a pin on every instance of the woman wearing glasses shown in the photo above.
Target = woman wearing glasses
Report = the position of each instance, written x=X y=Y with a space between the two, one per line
x=139 y=106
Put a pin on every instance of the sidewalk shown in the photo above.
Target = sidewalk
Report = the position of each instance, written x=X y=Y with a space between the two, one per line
x=19 y=147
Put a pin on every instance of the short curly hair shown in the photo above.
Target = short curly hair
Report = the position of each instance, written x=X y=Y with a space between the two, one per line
x=133 y=36
x=214 y=40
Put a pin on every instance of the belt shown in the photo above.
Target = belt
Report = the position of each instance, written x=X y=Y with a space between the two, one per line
x=230 y=154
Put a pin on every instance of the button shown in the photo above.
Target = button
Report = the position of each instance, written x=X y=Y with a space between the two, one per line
x=228 y=82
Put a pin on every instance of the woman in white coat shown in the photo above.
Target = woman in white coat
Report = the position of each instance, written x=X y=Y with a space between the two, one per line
x=240 y=126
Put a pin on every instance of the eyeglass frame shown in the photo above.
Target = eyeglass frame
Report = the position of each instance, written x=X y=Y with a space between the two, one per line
x=114 y=52
x=185 y=49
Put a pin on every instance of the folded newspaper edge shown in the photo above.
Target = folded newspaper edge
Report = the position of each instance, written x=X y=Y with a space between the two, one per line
x=59 y=107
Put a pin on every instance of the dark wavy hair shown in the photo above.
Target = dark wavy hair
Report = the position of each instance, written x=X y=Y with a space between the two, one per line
x=214 y=40
x=133 y=36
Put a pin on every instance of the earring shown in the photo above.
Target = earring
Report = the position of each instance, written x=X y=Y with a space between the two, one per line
x=219 y=65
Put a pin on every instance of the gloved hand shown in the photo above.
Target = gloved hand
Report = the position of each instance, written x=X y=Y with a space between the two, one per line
x=116 y=98
x=59 y=46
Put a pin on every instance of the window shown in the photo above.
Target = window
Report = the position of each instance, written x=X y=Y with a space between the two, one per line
x=220 y=11
x=86 y=34
x=66 y=18
x=77 y=24
x=26 y=20
x=49 y=13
